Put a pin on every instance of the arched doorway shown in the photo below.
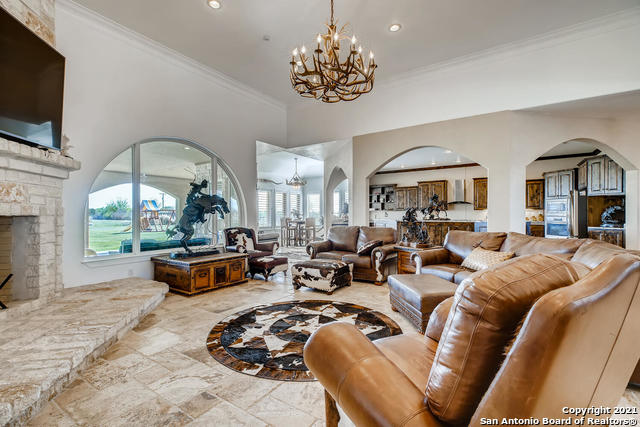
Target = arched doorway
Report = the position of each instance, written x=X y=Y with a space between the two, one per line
x=411 y=178
x=337 y=198
x=579 y=189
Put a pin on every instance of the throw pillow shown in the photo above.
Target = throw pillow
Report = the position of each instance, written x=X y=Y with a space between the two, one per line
x=484 y=317
x=481 y=259
x=366 y=248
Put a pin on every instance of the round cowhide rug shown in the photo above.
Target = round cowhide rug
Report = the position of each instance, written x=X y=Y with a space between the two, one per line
x=267 y=341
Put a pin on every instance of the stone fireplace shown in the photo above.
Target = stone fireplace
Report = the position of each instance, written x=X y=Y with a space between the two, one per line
x=31 y=223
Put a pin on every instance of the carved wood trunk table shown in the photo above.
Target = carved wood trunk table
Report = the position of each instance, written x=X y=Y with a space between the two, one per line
x=191 y=276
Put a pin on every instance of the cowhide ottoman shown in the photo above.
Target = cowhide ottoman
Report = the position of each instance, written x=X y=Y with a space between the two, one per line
x=322 y=275
x=268 y=266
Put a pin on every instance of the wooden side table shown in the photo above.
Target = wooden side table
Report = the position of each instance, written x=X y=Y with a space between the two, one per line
x=200 y=274
x=405 y=266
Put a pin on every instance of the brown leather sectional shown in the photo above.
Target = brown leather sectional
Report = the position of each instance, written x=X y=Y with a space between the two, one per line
x=342 y=245
x=555 y=327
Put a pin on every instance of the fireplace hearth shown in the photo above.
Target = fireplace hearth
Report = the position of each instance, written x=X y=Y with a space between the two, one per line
x=31 y=224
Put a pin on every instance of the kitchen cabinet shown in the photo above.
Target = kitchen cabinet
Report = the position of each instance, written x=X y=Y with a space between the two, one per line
x=406 y=197
x=535 y=230
x=480 y=191
x=426 y=189
x=558 y=183
x=583 y=172
x=535 y=194
x=604 y=177
x=615 y=236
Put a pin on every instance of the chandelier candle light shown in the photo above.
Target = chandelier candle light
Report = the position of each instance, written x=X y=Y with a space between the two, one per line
x=296 y=180
x=321 y=75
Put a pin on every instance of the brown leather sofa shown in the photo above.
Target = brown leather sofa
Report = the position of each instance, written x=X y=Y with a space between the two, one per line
x=445 y=262
x=343 y=242
x=574 y=345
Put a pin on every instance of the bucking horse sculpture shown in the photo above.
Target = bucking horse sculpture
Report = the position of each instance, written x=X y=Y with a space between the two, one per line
x=198 y=205
x=436 y=206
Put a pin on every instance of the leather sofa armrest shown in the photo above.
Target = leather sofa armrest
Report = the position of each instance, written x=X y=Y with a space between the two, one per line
x=381 y=253
x=236 y=248
x=370 y=388
x=438 y=319
x=314 y=248
x=428 y=257
x=268 y=247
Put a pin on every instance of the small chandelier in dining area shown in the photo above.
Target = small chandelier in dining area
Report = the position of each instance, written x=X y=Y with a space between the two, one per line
x=320 y=74
x=296 y=180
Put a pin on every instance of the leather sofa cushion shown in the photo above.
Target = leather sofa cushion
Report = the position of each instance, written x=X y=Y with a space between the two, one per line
x=460 y=243
x=443 y=271
x=594 y=252
x=367 y=234
x=483 y=320
x=412 y=353
x=438 y=319
x=359 y=261
x=344 y=238
x=335 y=255
x=522 y=245
x=461 y=275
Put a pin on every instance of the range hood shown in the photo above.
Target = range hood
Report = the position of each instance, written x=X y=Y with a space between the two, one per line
x=459 y=193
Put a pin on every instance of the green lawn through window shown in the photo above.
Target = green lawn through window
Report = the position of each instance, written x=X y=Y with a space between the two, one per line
x=106 y=235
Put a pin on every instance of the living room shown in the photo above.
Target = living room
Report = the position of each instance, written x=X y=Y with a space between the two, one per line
x=148 y=285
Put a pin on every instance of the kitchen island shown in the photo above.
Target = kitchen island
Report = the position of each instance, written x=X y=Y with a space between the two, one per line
x=438 y=228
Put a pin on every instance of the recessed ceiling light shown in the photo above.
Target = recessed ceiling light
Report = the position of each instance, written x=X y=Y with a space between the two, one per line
x=394 y=28
x=215 y=4
x=187 y=148
x=433 y=162
x=448 y=151
x=402 y=166
x=458 y=160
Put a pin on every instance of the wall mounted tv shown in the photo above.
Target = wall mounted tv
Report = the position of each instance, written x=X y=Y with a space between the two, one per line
x=31 y=86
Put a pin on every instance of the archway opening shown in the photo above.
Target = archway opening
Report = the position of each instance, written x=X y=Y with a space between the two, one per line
x=337 y=196
x=579 y=189
x=411 y=179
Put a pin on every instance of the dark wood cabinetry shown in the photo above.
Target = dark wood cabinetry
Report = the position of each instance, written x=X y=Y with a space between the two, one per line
x=535 y=230
x=535 y=194
x=195 y=275
x=426 y=190
x=405 y=266
x=438 y=229
x=406 y=197
x=604 y=177
x=615 y=236
x=382 y=197
x=480 y=193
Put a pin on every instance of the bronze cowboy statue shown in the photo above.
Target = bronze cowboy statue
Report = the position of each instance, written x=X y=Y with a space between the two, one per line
x=198 y=204
x=435 y=207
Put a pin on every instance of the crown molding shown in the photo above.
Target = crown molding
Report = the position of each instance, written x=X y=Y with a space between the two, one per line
x=122 y=33
x=584 y=30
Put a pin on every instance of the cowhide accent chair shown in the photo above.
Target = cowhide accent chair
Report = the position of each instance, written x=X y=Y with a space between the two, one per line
x=243 y=240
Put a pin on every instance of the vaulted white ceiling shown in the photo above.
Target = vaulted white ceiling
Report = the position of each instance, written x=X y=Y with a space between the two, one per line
x=231 y=39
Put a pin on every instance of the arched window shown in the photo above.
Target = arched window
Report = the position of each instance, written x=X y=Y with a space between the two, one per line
x=141 y=193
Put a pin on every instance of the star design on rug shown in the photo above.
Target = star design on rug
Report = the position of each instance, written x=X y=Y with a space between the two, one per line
x=268 y=341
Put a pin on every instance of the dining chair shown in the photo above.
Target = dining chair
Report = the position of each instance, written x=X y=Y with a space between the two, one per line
x=284 y=224
x=309 y=230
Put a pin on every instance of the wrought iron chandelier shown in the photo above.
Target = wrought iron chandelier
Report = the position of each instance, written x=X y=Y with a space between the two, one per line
x=296 y=180
x=321 y=75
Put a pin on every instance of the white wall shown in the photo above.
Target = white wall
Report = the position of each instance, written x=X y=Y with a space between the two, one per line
x=407 y=179
x=121 y=89
x=587 y=60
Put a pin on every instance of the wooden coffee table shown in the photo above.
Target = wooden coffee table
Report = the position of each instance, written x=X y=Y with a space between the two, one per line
x=191 y=276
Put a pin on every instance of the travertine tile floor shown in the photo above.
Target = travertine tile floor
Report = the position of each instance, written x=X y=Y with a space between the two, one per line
x=161 y=373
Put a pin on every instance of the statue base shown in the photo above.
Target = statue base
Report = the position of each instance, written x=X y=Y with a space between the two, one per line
x=195 y=254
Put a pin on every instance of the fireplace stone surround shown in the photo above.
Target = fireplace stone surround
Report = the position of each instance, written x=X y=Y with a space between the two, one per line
x=31 y=224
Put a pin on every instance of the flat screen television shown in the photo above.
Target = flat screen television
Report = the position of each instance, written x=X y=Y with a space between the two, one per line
x=31 y=86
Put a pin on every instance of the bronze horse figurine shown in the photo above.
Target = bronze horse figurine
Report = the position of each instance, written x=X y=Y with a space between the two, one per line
x=198 y=204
